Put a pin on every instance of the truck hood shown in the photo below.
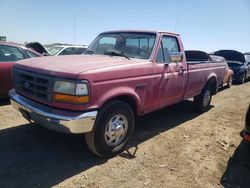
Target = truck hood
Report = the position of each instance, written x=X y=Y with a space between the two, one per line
x=70 y=66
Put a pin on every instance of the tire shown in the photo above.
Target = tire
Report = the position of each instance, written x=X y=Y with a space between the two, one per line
x=113 y=129
x=202 y=101
x=242 y=79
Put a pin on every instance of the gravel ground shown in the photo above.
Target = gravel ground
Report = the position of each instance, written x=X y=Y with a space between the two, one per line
x=176 y=147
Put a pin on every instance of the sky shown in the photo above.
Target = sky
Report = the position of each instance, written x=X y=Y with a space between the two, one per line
x=203 y=25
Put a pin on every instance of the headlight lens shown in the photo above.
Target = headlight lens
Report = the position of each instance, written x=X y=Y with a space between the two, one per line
x=71 y=92
x=65 y=87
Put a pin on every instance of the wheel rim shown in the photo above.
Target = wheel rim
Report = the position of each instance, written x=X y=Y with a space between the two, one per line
x=116 y=130
x=207 y=98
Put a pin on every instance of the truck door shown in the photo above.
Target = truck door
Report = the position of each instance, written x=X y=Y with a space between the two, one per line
x=172 y=83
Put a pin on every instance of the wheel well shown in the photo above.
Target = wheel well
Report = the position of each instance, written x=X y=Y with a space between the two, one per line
x=213 y=83
x=127 y=99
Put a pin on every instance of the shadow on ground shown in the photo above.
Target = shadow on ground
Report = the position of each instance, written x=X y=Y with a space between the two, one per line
x=4 y=101
x=237 y=173
x=31 y=156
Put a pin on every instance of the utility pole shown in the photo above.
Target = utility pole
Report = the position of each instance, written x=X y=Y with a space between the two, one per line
x=74 y=28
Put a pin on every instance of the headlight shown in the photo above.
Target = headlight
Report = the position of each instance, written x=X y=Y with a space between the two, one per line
x=71 y=92
x=65 y=87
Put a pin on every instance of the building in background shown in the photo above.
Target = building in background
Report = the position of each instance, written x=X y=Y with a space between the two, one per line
x=2 y=38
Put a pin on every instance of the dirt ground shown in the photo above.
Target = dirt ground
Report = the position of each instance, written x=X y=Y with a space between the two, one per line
x=176 y=147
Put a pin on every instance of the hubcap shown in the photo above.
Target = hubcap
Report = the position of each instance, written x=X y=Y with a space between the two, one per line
x=116 y=130
x=207 y=98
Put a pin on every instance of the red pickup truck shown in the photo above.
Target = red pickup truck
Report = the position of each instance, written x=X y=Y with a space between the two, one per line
x=122 y=75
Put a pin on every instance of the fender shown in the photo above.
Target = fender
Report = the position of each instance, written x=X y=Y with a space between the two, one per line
x=211 y=76
x=118 y=92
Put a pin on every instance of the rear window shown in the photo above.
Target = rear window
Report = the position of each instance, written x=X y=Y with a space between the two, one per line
x=197 y=56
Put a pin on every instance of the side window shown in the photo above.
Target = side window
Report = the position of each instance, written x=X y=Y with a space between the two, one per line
x=31 y=54
x=169 y=44
x=10 y=53
x=80 y=50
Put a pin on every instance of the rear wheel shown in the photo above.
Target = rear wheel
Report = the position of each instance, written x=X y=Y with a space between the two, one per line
x=112 y=130
x=203 y=100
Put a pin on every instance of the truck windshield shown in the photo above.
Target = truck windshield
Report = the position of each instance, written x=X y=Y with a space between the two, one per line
x=130 y=44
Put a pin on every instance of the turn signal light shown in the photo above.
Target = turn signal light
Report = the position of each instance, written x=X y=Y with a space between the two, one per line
x=70 y=98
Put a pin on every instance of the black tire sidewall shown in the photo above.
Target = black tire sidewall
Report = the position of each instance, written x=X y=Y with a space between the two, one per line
x=117 y=107
x=205 y=90
x=199 y=100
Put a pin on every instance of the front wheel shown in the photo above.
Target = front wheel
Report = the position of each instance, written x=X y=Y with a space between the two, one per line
x=202 y=101
x=243 y=78
x=113 y=128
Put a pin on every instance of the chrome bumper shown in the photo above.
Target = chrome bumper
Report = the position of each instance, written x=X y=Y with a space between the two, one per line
x=51 y=118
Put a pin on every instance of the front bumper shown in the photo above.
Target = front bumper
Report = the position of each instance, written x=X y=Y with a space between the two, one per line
x=51 y=118
x=237 y=77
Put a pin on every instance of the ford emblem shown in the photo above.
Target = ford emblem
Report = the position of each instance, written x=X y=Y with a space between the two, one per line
x=26 y=84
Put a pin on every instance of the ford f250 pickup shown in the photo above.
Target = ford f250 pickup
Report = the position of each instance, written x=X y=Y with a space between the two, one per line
x=123 y=74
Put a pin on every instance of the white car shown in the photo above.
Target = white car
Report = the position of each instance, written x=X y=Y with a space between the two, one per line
x=66 y=50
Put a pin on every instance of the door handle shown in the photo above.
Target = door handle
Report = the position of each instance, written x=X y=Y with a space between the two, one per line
x=182 y=70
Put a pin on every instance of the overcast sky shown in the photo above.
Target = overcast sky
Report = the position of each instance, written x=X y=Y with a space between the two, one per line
x=204 y=25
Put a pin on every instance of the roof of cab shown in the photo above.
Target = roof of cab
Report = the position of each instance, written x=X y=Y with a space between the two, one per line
x=141 y=31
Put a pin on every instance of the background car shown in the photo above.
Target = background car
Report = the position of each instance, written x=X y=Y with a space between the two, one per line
x=38 y=47
x=247 y=57
x=9 y=54
x=246 y=131
x=66 y=50
x=237 y=62
x=228 y=78
x=58 y=49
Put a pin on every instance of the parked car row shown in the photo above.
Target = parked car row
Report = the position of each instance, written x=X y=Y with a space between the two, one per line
x=58 y=49
x=10 y=53
x=122 y=74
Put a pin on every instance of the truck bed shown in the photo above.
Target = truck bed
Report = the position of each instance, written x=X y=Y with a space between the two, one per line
x=199 y=72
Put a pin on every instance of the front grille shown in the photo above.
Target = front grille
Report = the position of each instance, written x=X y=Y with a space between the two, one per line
x=33 y=84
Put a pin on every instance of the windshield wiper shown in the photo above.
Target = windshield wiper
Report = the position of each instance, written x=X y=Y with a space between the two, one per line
x=116 y=53
x=88 y=52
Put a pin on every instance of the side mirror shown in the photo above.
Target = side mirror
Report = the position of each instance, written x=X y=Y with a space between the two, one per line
x=176 y=57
